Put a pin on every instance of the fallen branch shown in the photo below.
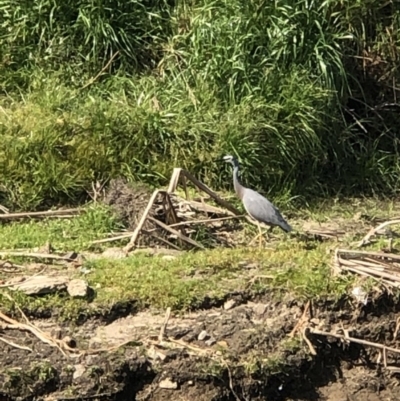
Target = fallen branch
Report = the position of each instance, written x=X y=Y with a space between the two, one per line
x=35 y=255
x=177 y=233
x=347 y=338
x=48 y=213
x=373 y=231
x=206 y=221
x=28 y=326
x=10 y=343
x=111 y=239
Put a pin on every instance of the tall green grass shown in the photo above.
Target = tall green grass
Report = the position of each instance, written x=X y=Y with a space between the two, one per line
x=286 y=85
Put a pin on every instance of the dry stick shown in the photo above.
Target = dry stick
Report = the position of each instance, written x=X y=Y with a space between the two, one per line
x=308 y=342
x=367 y=253
x=354 y=340
x=370 y=273
x=15 y=345
x=142 y=220
x=206 y=221
x=163 y=329
x=92 y=80
x=178 y=171
x=165 y=241
x=111 y=239
x=301 y=320
x=34 y=255
x=230 y=380
x=40 y=333
x=396 y=331
x=373 y=231
x=201 y=207
x=34 y=330
x=177 y=233
x=173 y=182
x=170 y=213
x=128 y=234
x=4 y=209
x=48 y=213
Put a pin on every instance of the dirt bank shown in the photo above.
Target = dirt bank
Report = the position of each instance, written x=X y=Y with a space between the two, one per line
x=243 y=353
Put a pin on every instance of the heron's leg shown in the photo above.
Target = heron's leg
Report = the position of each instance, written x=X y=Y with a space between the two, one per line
x=260 y=234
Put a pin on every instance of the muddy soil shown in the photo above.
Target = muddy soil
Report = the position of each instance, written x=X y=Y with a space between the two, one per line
x=243 y=353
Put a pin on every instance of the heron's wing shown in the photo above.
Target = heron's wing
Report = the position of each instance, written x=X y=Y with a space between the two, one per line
x=262 y=209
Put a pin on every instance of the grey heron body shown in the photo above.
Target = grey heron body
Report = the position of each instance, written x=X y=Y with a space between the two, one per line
x=256 y=205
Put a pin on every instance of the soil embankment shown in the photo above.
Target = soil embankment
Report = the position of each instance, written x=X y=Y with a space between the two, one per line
x=243 y=353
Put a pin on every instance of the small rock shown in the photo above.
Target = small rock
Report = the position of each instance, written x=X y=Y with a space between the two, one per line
x=152 y=353
x=260 y=309
x=229 y=304
x=41 y=285
x=78 y=288
x=190 y=383
x=168 y=257
x=202 y=336
x=168 y=384
x=211 y=341
x=79 y=371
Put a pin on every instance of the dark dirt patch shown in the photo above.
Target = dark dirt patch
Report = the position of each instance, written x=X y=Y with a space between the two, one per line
x=251 y=338
x=128 y=200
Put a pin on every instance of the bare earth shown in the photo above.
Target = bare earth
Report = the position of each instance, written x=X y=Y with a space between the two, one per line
x=191 y=368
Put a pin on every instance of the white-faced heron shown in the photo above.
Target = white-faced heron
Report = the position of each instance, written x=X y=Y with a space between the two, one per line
x=259 y=208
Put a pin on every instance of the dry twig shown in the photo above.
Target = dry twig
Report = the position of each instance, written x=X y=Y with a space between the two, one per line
x=11 y=344
x=301 y=321
x=48 y=213
x=35 y=255
x=373 y=231
x=346 y=338
x=163 y=329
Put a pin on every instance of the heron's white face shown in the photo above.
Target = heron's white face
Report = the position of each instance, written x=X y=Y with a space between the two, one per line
x=228 y=158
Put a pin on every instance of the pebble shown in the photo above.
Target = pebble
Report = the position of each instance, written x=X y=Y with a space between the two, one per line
x=79 y=371
x=260 y=309
x=78 y=288
x=211 y=341
x=168 y=384
x=202 y=336
x=229 y=304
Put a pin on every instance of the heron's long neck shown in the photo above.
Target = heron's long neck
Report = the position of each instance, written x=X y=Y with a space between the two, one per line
x=236 y=183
